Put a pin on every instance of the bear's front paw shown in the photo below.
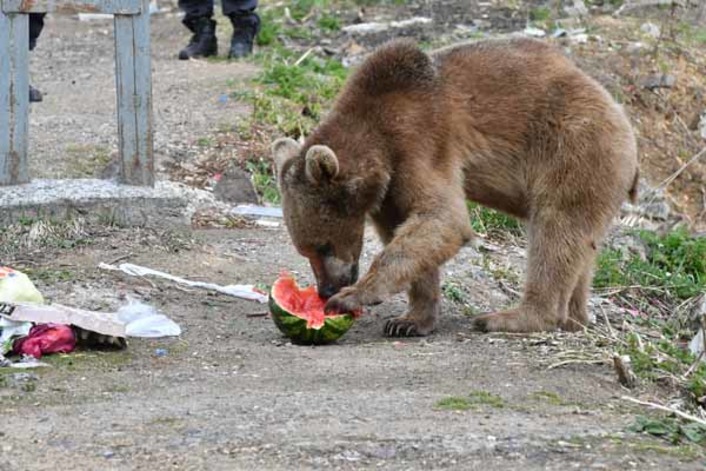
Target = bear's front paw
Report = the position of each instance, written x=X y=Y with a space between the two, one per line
x=405 y=327
x=347 y=300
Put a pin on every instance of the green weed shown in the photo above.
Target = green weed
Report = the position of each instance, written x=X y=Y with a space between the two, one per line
x=540 y=14
x=329 y=23
x=264 y=180
x=453 y=292
x=487 y=221
x=486 y=398
x=673 y=430
x=453 y=403
x=675 y=263
x=472 y=401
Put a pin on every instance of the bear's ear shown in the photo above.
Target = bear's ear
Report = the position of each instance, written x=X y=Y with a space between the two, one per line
x=321 y=164
x=284 y=149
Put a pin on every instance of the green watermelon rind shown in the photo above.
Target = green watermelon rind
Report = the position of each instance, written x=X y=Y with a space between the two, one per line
x=295 y=328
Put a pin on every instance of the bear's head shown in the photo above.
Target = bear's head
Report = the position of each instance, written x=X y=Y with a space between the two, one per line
x=324 y=205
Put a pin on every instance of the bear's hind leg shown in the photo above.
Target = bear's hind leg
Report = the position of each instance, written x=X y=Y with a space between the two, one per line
x=559 y=248
x=424 y=305
x=578 y=314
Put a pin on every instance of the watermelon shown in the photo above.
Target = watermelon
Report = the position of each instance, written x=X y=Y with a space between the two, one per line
x=299 y=314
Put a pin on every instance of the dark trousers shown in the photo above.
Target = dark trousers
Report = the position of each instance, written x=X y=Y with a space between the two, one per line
x=199 y=8
x=36 y=23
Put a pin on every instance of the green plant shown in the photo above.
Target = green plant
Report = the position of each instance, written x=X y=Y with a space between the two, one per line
x=472 y=401
x=670 y=429
x=329 y=23
x=490 y=222
x=540 y=14
x=490 y=399
x=453 y=292
x=264 y=180
x=453 y=403
x=270 y=29
x=675 y=264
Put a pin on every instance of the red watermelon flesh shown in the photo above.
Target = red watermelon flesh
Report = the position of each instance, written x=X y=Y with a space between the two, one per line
x=302 y=303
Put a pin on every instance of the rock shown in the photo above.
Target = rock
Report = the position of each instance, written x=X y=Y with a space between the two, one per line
x=375 y=27
x=534 y=32
x=235 y=186
x=651 y=29
x=635 y=47
x=702 y=125
x=577 y=9
x=655 y=81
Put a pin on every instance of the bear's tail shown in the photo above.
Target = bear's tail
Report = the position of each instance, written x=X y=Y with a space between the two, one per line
x=632 y=192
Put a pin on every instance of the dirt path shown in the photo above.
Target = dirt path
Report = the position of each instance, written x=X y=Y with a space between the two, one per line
x=74 y=130
x=231 y=393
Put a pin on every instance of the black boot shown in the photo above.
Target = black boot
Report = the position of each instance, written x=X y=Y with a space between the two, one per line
x=245 y=28
x=203 y=43
x=34 y=95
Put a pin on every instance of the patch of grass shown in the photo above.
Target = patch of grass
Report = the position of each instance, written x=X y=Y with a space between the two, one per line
x=670 y=429
x=89 y=360
x=270 y=28
x=49 y=275
x=453 y=292
x=453 y=403
x=675 y=263
x=487 y=221
x=329 y=23
x=264 y=181
x=540 y=14
x=204 y=142
x=548 y=397
x=86 y=160
x=474 y=400
x=659 y=284
x=299 y=32
x=486 y=398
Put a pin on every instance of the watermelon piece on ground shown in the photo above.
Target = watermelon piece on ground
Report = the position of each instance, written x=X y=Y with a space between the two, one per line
x=299 y=314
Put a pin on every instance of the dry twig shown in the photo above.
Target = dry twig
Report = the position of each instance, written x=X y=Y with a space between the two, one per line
x=672 y=410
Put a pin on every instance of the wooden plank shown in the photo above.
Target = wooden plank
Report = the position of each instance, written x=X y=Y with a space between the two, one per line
x=122 y=7
x=133 y=77
x=14 y=98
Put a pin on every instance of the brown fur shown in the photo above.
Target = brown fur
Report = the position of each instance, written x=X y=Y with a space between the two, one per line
x=513 y=125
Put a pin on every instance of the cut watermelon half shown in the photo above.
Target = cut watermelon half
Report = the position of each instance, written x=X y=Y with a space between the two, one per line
x=299 y=314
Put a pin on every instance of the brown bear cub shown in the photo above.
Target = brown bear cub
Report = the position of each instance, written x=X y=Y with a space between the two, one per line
x=512 y=124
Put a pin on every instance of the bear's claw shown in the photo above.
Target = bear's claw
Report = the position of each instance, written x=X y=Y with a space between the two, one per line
x=400 y=327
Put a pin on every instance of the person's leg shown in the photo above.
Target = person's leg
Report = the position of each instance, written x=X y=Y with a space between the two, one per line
x=36 y=24
x=198 y=18
x=246 y=24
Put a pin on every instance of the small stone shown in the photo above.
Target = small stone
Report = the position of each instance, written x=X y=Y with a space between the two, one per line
x=655 y=81
x=160 y=352
x=702 y=125
x=650 y=29
x=108 y=454
x=235 y=186
x=577 y=9
x=534 y=32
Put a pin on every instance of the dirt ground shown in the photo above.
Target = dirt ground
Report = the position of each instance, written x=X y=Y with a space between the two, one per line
x=231 y=392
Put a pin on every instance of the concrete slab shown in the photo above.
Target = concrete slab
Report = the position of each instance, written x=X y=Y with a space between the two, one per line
x=102 y=201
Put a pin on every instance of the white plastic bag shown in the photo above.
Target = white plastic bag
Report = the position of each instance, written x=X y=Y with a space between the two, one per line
x=142 y=320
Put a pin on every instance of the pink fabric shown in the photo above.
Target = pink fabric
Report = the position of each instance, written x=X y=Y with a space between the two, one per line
x=46 y=338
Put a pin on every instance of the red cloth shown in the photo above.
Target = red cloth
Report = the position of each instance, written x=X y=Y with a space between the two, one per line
x=46 y=338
